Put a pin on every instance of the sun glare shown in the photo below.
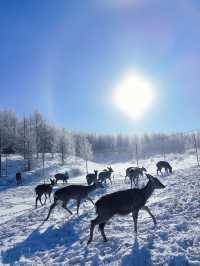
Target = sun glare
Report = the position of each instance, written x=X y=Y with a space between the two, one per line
x=133 y=95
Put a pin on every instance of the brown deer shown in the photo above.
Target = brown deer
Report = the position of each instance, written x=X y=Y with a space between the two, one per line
x=44 y=189
x=127 y=172
x=18 y=177
x=165 y=165
x=105 y=174
x=64 y=177
x=92 y=178
x=76 y=192
x=122 y=203
x=135 y=173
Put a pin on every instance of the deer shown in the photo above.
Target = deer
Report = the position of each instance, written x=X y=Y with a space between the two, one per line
x=105 y=175
x=18 y=177
x=91 y=178
x=134 y=167
x=135 y=173
x=165 y=165
x=127 y=172
x=106 y=169
x=76 y=192
x=122 y=203
x=44 y=189
x=64 y=177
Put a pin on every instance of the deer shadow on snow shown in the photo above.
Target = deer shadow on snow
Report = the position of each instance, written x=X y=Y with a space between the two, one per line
x=139 y=256
x=52 y=237
x=42 y=241
x=111 y=252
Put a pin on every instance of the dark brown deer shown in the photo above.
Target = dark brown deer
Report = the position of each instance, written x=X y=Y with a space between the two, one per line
x=92 y=178
x=44 y=189
x=64 y=177
x=18 y=178
x=127 y=172
x=123 y=203
x=105 y=175
x=135 y=173
x=163 y=164
x=76 y=192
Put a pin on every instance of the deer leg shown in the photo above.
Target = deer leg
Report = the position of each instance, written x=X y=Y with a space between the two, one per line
x=125 y=180
x=78 y=205
x=134 y=180
x=40 y=199
x=149 y=212
x=45 y=198
x=131 y=182
x=101 y=228
x=90 y=200
x=36 y=200
x=49 y=196
x=50 y=210
x=92 y=226
x=65 y=207
x=110 y=180
x=135 y=217
x=94 y=222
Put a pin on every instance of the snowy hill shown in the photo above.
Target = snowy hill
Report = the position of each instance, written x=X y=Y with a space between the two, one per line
x=62 y=240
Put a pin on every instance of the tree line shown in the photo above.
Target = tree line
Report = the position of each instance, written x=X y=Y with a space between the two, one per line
x=33 y=137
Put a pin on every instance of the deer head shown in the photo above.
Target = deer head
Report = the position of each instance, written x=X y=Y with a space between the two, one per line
x=155 y=182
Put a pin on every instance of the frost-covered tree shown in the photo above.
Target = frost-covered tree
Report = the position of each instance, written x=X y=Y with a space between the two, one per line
x=38 y=123
x=66 y=145
x=62 y=146
x=85 y=150
x=45 y=141
x=33 y=135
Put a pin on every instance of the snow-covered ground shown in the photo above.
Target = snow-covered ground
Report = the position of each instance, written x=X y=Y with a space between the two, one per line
x=62 y=240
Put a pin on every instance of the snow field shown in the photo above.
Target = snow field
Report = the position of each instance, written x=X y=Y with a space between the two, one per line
x=62 y=240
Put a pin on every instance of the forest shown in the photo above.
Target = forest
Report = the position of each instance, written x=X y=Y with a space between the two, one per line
x=34 y=136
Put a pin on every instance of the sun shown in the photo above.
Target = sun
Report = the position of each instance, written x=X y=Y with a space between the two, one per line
x=133 y=95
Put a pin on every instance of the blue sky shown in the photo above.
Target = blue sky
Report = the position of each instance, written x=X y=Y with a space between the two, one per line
x=64 y=58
